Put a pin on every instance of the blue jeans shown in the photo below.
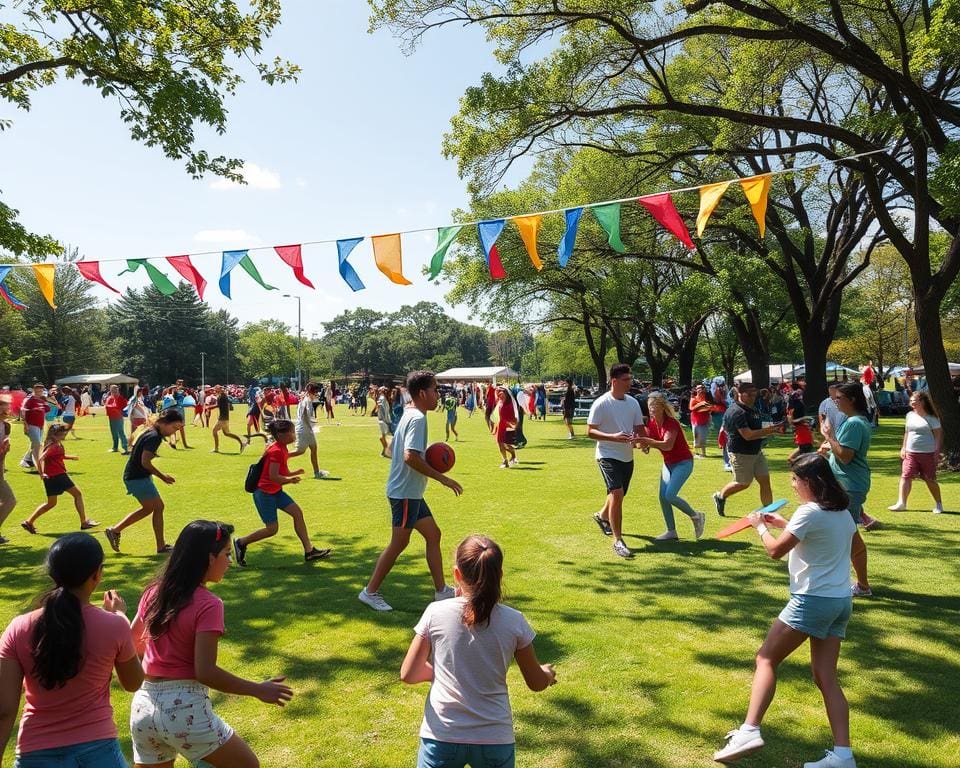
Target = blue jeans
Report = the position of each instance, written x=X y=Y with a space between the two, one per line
x=446 y=754
x=116 y=432
x=104 y=753
x=672 y=479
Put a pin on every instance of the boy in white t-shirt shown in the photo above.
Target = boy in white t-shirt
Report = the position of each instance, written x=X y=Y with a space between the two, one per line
x=613 y=422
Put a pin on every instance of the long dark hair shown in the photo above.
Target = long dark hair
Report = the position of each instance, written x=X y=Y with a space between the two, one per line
x=278 y=426
x=854 y=393
x=480 y=561
x=815 y=470
x=184 y=571
x=58 y=634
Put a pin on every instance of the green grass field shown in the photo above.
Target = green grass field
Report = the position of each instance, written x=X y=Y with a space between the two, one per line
x=654 y=655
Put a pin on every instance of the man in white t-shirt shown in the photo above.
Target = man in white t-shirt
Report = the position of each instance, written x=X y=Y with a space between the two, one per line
x=306 y=438
x=613 y=422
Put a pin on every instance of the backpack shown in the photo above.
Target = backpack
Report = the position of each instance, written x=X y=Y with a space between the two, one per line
x=254 y=472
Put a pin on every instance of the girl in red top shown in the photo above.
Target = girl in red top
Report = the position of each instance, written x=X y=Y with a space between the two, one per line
x=270 y=496
x=506 y=422
x=663 y=432
x=56 y=480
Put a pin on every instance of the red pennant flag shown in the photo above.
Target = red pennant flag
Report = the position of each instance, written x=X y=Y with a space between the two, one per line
x=186 y=269
x=91 y=271
x=292 y=256
x=497 y=272
x=665 y=213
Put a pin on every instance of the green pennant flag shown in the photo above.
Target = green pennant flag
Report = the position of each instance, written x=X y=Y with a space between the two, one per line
x=445 y=237
x=247 y=263
x=609 y=218
x=160 y=281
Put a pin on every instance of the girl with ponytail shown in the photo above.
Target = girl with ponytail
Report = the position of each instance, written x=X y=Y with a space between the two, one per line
x=63 y=655
x=463 y=648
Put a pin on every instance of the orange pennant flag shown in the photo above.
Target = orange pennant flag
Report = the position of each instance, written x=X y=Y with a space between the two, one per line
x=710 y=195
x=529 y=227
x=44 y=274
x=386 y=253
x=756 y=189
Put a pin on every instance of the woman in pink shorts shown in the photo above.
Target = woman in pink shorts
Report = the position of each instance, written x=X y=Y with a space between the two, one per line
x=922 y=436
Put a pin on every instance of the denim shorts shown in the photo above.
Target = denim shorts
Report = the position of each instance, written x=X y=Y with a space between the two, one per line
x=35 y=434
x=816 y=616
x=857 y=500
x=104 y=753
x=268 y=503
x=142 y=488
x=447 y=754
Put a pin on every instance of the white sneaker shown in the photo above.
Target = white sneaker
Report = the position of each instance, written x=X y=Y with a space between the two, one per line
x=667 y=536
x=444 y=594
x=699 y=520
x=374 y=600
x=320 y=474
x=938 y=509
x=898 y=507
x=727 y=468
x=830 y=760
x=514 y=461
x=739 y=744
x=621 y=549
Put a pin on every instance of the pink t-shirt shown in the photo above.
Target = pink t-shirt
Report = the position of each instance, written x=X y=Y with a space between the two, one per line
x=80 y=711
x=171 y=654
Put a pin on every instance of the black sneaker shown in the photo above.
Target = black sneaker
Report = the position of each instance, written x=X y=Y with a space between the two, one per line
x=316 y=554
x=604 y=525
x=720 y=503
x=240 y=553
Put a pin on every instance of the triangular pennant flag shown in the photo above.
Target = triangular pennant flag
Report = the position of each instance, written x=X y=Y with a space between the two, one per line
x=160 y=281
x=609 y=217
x=710 y=195
x=347 y=272
x=250 y=268
x=572 y=219
x=488 y=232
x=529 y=227
x=45 y=274
x=293 y=257
x=8 y=297
x=387 y=255
x=185 y=267
x=665 y=213
x=756 y=190
x=91 y=271
x=229 y=260
x=445 y=237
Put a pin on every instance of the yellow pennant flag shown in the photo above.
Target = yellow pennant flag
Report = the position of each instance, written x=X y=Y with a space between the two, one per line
x=386 y=253
x=756 y=189
x=710 y=195
x=44 y=274
x=528 y=227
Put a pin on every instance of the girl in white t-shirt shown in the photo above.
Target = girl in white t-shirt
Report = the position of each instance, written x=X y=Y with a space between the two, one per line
x=920 y=452
x=818 y=538
x=463 y=648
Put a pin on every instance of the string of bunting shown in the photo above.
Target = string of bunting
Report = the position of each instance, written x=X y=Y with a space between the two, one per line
x=387 y=251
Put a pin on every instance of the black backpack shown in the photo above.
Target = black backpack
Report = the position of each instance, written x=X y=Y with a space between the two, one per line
x=254 y=472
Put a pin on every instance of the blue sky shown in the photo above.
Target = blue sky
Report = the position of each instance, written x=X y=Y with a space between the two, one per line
x=352 y=149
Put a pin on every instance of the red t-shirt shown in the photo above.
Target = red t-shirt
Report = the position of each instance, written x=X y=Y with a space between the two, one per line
x=115 y=405
x=701 y=417
x=802 y=434
x=680 y=451
x=34 y=410
x=53 y=461
x=868 y=375
x=275 y=454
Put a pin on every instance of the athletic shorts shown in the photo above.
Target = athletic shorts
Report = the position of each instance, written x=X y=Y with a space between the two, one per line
x=57 y=484
x=748 y=466
x=135 y=424
x=268 y=503
x=451 y=417
x=616 y=474
x=103 y=753
x=384 y=428
x=142 y=488
x=922 y=465
x=857 y=500
x=408 y=512
x=816 y=616
x=305 y=438
x=69 y=419
x=174 y=717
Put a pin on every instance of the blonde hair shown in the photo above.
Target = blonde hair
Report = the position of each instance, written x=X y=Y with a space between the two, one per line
x=667 y=408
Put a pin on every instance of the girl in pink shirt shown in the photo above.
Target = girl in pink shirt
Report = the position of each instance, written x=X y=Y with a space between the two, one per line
x=63 y=655
x=177 y=628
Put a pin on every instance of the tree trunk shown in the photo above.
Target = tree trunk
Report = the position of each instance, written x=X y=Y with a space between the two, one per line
x=927 y=316
x=755 y=347
x=815 y=345
x=686 y=353
x=598 y=351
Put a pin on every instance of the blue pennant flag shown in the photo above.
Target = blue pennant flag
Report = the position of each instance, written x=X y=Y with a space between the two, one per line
x=230 y=260
x=572 y=218
x=347 y=272
x=5 y=293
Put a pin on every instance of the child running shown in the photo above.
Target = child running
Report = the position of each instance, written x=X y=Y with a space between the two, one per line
x=56 y=481
x=406 y=483
x=177 y=628
x=270 y=496
x=463 y=648
x=61 y=657
x=138 y=478
x=818 y=538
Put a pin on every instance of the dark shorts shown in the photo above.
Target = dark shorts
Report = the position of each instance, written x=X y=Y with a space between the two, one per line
x=57 y=484
x=408 y=512
x=268 y=503
x=142 y=488
x=69 y=419
x=616 y=474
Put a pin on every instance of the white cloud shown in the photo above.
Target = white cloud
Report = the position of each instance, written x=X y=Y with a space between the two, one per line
x=227 y=237
x=255 y=176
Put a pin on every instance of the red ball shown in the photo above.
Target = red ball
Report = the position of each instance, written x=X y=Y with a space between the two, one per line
x=441 y=457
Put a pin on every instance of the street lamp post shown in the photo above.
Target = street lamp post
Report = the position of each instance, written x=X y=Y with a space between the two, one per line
x=299 y=356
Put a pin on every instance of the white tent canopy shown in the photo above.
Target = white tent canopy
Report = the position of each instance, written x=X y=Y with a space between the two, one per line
x=919 y=370
x=103 y=379
x=490 y=373
x=778 y=372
